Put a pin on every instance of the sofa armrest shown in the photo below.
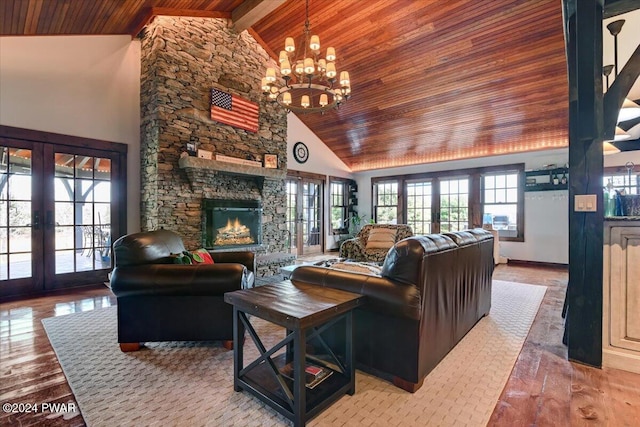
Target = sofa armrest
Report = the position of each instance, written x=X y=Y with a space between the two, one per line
x=352 y=249
x=382 y=294
x=246 y=258
x=175 y=280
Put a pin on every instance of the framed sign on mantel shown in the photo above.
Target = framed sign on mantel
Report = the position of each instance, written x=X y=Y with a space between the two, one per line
x=271 y=161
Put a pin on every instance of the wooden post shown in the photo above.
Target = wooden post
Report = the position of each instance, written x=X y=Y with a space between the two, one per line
x=583 y=34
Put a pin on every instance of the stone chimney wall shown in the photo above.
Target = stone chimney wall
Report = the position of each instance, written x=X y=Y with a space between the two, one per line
x=182 y=60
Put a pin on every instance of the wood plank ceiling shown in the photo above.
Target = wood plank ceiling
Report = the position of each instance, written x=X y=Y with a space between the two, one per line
x=432 y=80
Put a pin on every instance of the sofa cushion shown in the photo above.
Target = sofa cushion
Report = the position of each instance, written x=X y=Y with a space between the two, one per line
x=382 y=295
x=381 y=238
x=403 y=262
x=147 y=247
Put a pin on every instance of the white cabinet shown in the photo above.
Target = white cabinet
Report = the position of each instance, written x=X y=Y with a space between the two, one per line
x=621 y=299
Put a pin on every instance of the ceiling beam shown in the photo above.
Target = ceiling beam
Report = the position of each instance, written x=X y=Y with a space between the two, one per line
x=617 y=7
x=251 y=11
x=145 y=16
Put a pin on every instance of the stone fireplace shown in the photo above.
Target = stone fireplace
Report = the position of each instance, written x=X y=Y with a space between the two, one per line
x=229 y=223
x=182 y=59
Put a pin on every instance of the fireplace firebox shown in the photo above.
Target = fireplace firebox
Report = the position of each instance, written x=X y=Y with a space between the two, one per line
x=232 y=223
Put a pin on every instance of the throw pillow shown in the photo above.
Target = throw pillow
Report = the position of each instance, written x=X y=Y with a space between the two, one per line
x=201 y=256
x=181 y=258
x=381 y=238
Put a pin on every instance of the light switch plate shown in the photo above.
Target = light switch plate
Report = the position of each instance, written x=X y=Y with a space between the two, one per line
x=586 y=203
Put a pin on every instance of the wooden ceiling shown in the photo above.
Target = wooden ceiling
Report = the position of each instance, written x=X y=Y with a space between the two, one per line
x=432 y=80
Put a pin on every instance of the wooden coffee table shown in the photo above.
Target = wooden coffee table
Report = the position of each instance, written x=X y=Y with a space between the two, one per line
x=305 y=311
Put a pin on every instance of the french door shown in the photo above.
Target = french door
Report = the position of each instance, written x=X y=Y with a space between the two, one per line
x=304 y=215
x=59 y=212
x=454 y=204
x=437 y=205
x=420 y=213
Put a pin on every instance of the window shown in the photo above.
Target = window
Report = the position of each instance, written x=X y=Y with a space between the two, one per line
x=339 y=205
x=386 y=202
x=500 y=207
x=454 y=204
x=419 y=199
x=444 y=201
x=292 y=194
x=622 y=181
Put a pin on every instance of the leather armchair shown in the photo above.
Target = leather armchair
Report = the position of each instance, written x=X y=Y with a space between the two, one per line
x=356 y=249
x=162 y=301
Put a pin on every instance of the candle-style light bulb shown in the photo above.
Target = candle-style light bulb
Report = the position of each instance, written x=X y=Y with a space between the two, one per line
x=314 y=44
x=289 y=44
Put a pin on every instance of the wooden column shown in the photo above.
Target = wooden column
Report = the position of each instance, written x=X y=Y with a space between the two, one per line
x=583 y=34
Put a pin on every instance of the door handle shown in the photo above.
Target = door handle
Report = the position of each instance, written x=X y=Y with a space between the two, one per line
x=36 y=220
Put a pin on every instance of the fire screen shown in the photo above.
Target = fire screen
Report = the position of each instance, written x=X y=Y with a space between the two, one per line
x=232 y=223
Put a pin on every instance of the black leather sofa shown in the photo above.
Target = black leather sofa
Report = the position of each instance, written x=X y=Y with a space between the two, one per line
x=431 y=292
x=162 y=301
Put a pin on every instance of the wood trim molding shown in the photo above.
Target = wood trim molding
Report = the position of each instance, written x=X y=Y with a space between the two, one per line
x=538 y=264
x=308 y=175
x=60 y=139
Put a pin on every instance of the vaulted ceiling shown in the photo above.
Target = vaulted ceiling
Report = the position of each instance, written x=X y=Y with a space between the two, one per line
x=432 y=80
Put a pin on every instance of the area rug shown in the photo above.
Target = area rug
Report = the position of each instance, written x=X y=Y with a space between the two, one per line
x=191 y=384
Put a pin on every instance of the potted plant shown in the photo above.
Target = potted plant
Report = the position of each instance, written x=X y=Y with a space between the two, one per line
x=355 y=223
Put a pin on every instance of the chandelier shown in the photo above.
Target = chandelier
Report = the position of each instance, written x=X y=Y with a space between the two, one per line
x=310 y=80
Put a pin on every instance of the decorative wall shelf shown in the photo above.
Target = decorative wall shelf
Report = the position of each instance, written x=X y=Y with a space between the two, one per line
x=542 y=180
x=195 y=165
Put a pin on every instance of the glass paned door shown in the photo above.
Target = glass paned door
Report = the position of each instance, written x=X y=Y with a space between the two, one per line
x=82 y=213
x=419 y=211
x=454 y=204
x=312 y=217
x=55 y=216
x=16 y=221
x=292 y=214
x=304 y=215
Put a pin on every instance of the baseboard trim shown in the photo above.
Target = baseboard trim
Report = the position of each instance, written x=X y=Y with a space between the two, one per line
x=538 y=264
x=620 y=359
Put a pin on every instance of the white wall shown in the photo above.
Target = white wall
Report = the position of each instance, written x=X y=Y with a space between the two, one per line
x=546 y=222
x=86 y=86
x=321 y=161
x=620 y=159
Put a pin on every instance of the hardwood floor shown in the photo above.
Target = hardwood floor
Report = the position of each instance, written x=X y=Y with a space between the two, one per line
x=544 y=388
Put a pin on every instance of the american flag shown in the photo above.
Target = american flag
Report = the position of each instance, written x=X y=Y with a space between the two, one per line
x=233 y=110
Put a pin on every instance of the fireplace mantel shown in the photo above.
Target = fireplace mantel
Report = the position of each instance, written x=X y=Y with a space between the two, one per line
x=196 y=164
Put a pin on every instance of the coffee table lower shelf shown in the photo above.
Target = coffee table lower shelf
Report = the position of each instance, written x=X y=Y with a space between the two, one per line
x=261 y=382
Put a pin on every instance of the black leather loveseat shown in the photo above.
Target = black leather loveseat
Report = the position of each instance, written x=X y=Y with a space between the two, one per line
x=159 y=300
x=432 y=290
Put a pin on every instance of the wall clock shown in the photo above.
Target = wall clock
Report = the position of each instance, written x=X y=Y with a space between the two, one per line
x=300 y=152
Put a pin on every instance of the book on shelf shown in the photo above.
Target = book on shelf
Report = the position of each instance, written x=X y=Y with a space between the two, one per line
x=314 y=374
